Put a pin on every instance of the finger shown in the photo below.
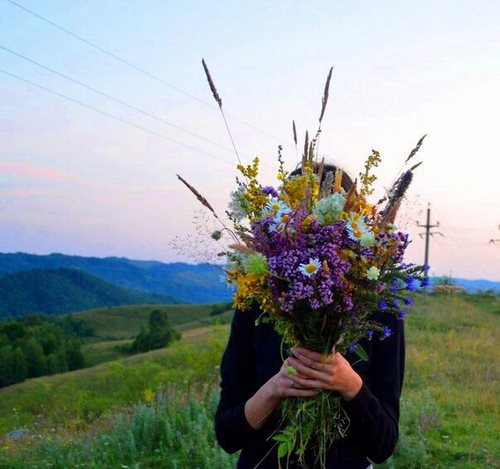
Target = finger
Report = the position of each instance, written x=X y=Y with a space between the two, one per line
x=309 y=383
x=311 y=363
x=310 y=372
x=315 y=356
x=284 y=370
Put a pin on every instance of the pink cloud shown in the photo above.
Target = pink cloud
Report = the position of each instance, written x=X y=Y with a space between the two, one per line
x=38 y=172
x=51 y=175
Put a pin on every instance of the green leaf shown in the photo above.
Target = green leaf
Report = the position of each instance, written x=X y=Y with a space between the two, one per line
x=282 y=449
x=280 y=437
x=360 y=352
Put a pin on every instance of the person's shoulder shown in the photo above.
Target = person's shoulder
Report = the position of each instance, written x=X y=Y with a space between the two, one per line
x=247 y=317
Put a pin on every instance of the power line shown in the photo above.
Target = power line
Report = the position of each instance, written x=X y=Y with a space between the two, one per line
x=137 y=68
x=113 y=116
x=466 y=254
x=117 y=100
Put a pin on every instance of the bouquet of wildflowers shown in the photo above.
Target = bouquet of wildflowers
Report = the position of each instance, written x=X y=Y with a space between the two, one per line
x=318 y=260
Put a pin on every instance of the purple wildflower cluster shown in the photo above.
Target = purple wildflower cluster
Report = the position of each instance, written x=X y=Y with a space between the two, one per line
x=308 y=266
x=287 y=249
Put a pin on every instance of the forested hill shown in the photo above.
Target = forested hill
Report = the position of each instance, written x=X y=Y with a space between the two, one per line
x=200 y=283
x=63 y=291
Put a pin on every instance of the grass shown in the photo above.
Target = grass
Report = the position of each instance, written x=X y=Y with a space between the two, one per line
x=107 y=416
x=72 y=401
x=124 y=322
x=172 y=430
x=116 y=326
x=449 y=415
x=96 y=352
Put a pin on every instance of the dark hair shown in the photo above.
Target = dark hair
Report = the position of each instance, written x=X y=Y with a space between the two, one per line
x=347 y=182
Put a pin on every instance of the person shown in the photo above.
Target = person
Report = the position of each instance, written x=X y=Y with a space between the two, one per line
x=254 y=382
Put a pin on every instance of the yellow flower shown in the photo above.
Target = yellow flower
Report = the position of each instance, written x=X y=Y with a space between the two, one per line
x=249 y=287
x=149 y=395
x=306 y=222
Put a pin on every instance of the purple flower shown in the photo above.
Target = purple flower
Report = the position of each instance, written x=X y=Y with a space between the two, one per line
x=369 y=334
x=408 y=301
x=353 y=347
x=269 y=190
x=410 y=283
x=382 y=305
x=425 y=282
x=386 y=332
x=402 y=314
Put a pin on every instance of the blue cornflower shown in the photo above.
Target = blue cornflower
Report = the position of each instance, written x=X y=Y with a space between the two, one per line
x=395 y=303
x=410 y=283
x=369 y=334
x=353 y=347
x=408 y=301
x=382 y=305
x=425 y=282
x=402 y=314
x=395 y=286
x=386 y=332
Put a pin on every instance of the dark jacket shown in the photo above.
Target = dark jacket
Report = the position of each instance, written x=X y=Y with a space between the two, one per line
x=253 y=356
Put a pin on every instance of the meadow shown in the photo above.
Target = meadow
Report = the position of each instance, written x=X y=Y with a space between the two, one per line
x=115 y=327
x=156 y=409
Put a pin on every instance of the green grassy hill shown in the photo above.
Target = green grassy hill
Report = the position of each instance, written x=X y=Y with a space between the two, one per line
x=115 y=327
x=124 y=322
x=148 y=409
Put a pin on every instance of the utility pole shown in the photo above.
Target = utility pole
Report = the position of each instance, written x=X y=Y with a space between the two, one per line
x=427 y=234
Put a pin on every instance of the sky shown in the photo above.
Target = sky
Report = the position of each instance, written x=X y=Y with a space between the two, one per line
x=74 y=179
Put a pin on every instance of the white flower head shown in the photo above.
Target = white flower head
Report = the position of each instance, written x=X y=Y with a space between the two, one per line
x=372 y=273
x=235 y=207
x=367 y=239
x=311 y=267
x=328 y=209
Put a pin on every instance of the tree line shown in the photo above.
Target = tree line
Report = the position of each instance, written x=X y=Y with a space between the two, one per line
x=38 y=345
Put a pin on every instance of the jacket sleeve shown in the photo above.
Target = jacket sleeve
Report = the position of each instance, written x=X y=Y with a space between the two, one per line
x=374 y=411
x=237 y=385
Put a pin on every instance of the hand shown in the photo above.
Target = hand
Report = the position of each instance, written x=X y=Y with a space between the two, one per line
x=267 y=399
x=330 y=372
x=286 y=384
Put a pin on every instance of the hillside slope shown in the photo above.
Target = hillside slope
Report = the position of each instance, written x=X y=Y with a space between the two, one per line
x=200 y=283
x=124 y=322
x=448 y=407
x=63 y=291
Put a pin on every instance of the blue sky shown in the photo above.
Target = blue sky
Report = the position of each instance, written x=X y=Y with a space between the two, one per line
x=79 y=182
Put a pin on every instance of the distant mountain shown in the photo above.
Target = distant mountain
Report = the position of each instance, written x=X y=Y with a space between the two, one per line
x=472 y=286
x=199 y=283
x=63 y=291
